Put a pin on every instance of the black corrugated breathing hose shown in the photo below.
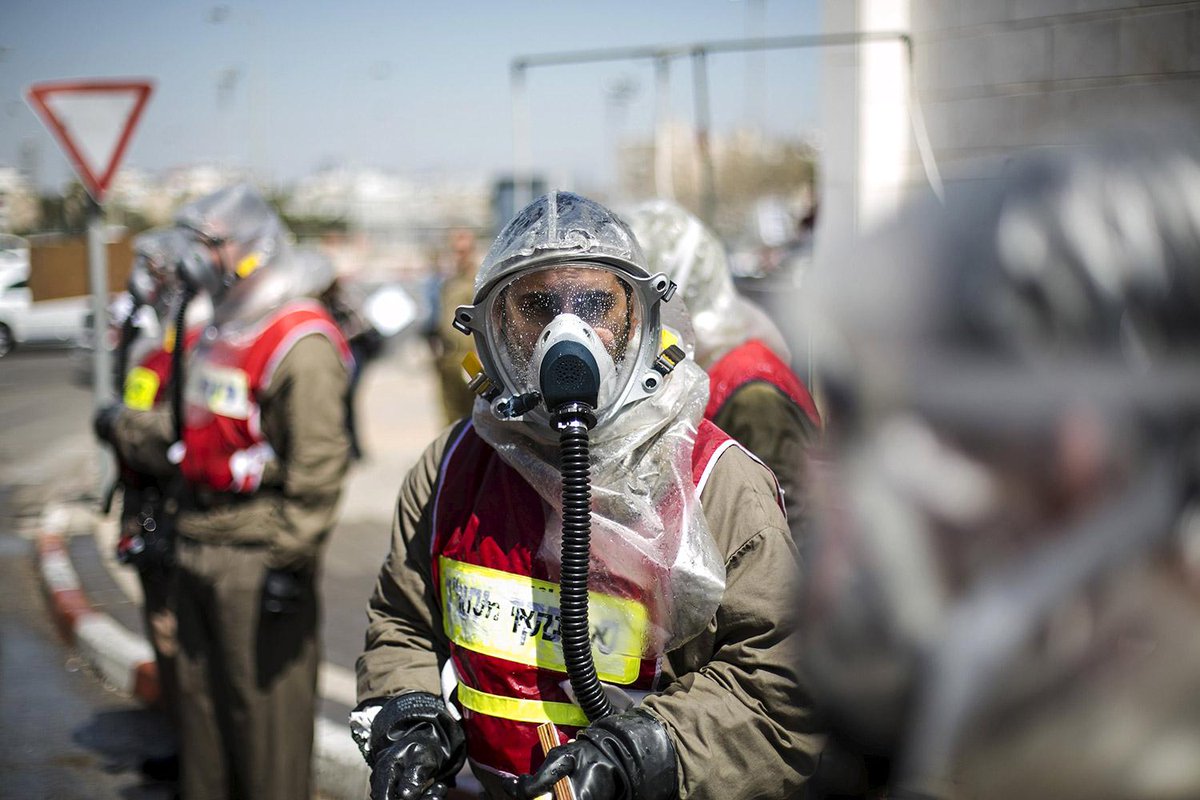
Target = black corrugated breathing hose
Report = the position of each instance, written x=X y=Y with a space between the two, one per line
x=177 y=354
x=576 y=553
x=128 y=331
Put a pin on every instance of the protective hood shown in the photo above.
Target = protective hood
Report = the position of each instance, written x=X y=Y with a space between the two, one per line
x=300 y=272
x=233 y=232
x=566 y=264
x=675 y=242
x=152 y=280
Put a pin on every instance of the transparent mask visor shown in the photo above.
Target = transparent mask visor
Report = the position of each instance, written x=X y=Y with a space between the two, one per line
x=524 y=306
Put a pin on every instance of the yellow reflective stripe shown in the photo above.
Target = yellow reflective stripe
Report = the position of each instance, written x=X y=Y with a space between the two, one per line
x=537 y=711
x=141 y=388
x=516 y=618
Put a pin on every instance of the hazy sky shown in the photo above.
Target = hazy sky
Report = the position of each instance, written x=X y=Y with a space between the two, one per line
x=293 y=85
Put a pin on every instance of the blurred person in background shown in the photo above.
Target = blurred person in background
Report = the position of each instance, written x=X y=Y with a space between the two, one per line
x=448 y=345
x=262 y=450
x=688 y=592
x=754 y=395
x=345 y=305
x=146 y=517
x=1003 y=588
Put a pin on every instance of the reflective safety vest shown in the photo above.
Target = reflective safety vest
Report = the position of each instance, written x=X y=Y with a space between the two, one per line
x=224 y=446
x=752 y=362
x=500 y=607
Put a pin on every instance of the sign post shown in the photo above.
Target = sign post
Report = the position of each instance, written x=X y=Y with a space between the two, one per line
x=93 y=122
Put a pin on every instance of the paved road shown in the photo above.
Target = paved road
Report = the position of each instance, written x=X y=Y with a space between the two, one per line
x=62 y=734
x=46 y=453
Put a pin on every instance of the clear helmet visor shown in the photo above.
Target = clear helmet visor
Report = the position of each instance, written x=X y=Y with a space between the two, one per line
x=601 y=304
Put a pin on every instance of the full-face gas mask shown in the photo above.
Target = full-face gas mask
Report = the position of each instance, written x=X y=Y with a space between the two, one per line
x=565 y=313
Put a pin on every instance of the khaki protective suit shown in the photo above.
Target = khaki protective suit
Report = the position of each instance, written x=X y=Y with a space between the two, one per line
x=776 y=430
x=736 y=711
x=247 y=679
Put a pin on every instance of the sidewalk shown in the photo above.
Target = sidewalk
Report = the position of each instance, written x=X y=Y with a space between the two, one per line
x=96 y=602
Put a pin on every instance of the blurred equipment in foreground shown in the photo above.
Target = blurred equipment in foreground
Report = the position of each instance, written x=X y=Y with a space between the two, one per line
x=754 y=395
x=1004 y=571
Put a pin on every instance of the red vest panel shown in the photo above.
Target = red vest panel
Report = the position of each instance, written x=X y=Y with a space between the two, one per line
x=754 y=361
x=225 y=448
x=500 y=606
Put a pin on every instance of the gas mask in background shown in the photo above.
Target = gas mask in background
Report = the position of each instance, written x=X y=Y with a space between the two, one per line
x=230 y=233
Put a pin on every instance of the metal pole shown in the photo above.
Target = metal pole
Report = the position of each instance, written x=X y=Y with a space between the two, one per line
x=102 y=383
x=664 y=183
x=708 y=191
x=522 y=154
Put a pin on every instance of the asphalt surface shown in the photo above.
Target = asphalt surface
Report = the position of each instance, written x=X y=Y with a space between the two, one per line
x=64 y=735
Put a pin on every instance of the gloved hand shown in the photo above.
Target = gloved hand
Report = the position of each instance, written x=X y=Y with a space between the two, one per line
x=283 y=591
x=414 y=748
x=623 y=757
x=104 y=422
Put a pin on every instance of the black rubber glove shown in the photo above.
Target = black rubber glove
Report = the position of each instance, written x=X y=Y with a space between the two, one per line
x=283 y=591
x=416 y=748
x=623 y=757
x=104 y=422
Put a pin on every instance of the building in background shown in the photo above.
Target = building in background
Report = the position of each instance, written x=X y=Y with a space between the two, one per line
x=18 y=201
x=987 y=78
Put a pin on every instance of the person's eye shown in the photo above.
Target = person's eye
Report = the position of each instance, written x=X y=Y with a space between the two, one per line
x=539 y=305
x=594 y=306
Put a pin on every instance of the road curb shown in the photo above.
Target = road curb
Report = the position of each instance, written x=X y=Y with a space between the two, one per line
x=125 y=659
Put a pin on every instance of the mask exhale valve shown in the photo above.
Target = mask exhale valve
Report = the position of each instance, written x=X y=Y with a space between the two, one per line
x=569 y=379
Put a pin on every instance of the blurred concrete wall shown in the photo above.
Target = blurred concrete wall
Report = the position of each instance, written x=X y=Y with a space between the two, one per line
x=989 y=77
x=997 y=75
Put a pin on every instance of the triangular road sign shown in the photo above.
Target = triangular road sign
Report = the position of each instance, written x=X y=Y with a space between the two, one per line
x=93 y=121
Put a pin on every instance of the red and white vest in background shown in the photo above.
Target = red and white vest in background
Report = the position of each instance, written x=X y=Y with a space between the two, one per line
x=751 y=362
x=500 y=607
x=224 y=446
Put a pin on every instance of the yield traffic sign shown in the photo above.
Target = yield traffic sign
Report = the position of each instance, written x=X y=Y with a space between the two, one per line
x=93 y=121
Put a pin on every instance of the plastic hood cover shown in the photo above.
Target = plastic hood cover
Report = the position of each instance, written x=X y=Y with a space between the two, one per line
x=301 y=272
x=152 y=279
x=560 y=226
x=648 y=529
x=677 y=243
x=237 y=214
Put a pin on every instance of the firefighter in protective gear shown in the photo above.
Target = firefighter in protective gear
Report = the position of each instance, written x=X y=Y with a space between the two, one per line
x=464 y=656
x=1003 y=572
x=754 y=395
x=262 y=450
